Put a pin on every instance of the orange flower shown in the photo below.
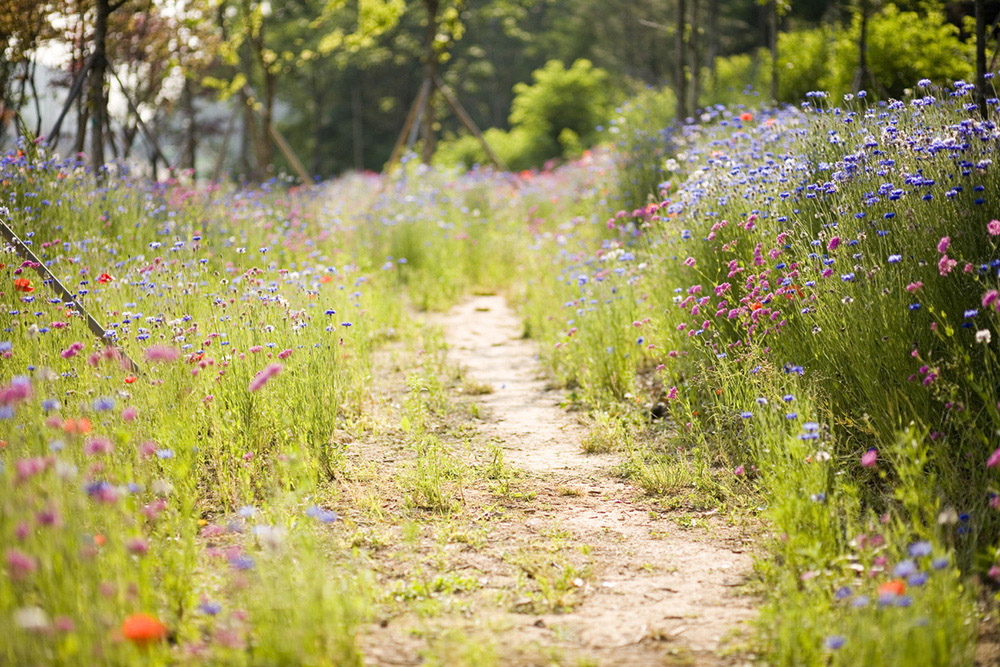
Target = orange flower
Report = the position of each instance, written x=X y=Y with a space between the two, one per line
x=104 y=278
x=325 y=279
x=893 y=587
x=81 y=425
x=746 y=116
x=99 y=540
x=143 y=629
x=757 y=305
x=23 y=285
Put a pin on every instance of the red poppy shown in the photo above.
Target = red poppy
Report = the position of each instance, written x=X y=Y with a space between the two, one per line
x=892 y=587
x=129 y=379
x=143 y=629
x=104 y=278
x=23 y=285
x=746 y=116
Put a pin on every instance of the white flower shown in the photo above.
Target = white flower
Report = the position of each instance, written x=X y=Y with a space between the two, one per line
x=983 y=336
x=33 y=619
x=270 y=537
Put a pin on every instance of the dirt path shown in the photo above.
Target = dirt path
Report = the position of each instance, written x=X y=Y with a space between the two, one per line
x=652 y=580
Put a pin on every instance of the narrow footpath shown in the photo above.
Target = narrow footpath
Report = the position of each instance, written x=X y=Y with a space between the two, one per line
x=654 y=583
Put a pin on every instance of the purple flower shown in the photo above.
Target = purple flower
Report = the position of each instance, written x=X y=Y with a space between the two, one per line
x=263 y=376
x=869 y=458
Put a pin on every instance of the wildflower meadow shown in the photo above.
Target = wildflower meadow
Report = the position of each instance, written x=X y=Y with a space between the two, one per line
x=633 y=377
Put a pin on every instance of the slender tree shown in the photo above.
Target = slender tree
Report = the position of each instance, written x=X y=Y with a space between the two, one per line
x=981 y=56
x=680 y=76
x=772 y=45
x=97 y=99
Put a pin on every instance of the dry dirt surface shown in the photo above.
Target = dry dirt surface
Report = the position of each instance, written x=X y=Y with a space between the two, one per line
x=654 y=583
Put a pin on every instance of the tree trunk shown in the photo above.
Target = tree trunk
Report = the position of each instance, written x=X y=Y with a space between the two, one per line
x=97 y=100
x=695 y=54
x=680 y=76
x=356 y=128
x=981 y=57
x=319 y=102
x=266 y=165
x=430 y=73
x=713 y=36
x=246 y=137
x=862 y=75
x=772 y=45
x=189 y=126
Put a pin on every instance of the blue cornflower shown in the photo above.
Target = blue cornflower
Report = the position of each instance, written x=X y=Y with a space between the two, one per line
x=241 y=562
x=895 y=259
x=833 y=642
x=210 y=608
x=322 y=515
x=920 y=549
x=104 y=403
x=788 y=398
x=905 y=568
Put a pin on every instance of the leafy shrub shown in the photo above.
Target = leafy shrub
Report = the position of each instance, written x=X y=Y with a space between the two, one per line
x=556 y=116
x=903 y=47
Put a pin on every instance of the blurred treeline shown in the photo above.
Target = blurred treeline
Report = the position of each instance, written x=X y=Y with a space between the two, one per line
x=336 y=78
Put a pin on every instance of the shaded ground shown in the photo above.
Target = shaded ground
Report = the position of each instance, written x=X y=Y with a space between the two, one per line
x=557 y=562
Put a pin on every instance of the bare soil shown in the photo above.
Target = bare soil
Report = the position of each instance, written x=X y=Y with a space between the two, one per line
x=649 y=592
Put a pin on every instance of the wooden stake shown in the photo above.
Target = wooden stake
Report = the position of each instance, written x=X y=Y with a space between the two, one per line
x=69 y=299
x=217 y=171
x=279 y=139
x=73 y=92
x=466 y=119
x=142 y=126
x=418 y=104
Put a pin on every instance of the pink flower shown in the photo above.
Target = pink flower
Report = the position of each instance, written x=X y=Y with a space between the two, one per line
x=137 y=546
x=869 y=458
x=994 y=458
x=990 y=298
x=256 y=348
x=738 y=471
x=284 y=354
x=672 y=394
x=993 y=227
x=164 y=353
x=20 y=564
x=689 y=261
x=72 y=350
x=263 y=376
x=913 y=287
x=945 y=265
x=129 y=413
x=98 y=446
x=834 y=242
x=943 y=244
